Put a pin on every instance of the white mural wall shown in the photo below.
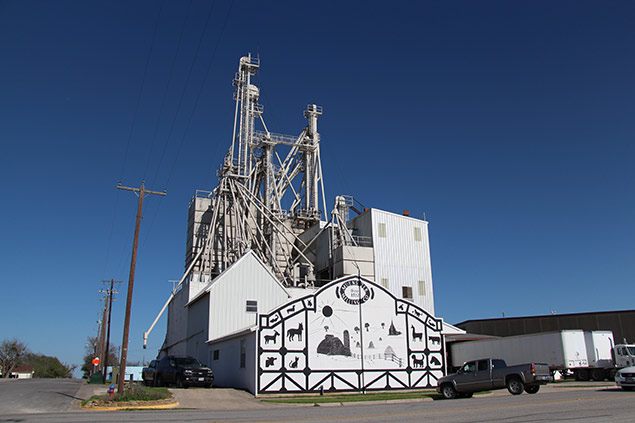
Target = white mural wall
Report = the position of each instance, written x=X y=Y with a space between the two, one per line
x=351 y=334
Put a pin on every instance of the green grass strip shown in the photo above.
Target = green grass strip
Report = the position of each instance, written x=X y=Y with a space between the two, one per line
x=381 y=396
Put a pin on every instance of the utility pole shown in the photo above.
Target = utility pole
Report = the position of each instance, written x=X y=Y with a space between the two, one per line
x=108 y=305
x=102 y=333
x=141 y=193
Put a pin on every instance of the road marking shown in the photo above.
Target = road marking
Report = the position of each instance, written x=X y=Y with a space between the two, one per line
x=392 y=416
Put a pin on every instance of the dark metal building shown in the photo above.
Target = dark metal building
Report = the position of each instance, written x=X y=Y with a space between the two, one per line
x=622 y=323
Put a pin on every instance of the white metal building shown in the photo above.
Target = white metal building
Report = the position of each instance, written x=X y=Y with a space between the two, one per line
x=261 y=256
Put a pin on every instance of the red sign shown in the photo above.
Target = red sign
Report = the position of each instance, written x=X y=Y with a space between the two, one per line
x=96 y=361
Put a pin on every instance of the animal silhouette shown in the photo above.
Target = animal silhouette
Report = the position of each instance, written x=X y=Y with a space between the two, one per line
x=292 y=333
x=417 y=362
x=435 y=339
x=435 y=361
x=270 y=361
x=271 y=337
x=416 y=335
x=294 y=363
x=291 y=309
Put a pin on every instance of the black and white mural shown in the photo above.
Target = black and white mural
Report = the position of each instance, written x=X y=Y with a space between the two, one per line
x=352 y=334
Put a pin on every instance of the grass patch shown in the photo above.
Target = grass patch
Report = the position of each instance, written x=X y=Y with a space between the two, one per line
x=137 y=393
x=379 y=396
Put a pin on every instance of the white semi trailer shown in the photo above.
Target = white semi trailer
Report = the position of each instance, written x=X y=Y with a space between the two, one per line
x=586 y=354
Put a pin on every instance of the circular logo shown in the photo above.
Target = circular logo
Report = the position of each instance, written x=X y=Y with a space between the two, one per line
x=354 y=292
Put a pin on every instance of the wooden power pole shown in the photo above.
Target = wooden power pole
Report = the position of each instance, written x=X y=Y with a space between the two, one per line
x=141 y=193
x=106 y=349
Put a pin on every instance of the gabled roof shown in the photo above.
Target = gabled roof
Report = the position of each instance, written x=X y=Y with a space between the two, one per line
x=249 y=255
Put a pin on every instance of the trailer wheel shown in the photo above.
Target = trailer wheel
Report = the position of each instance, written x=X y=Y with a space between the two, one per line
x=448 y=391
x=597 y=374
x=515 y=386
x=532 y=389
x=581 y=375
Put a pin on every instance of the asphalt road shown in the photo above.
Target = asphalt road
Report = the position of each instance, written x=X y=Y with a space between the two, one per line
x=551 y=404
x=27 y=396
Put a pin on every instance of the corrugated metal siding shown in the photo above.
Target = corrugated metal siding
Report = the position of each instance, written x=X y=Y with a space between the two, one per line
x=227 y=370
x=246 y=280
x=401 y=259
x=177 y=324
x=197 y=327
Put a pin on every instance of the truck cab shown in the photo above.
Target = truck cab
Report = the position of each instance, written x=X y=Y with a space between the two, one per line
x=624 y=355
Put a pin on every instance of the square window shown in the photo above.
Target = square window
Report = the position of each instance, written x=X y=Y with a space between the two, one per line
x=381 y=229
x=418 y=234
x=216 y=354
x=252 y=306
x=384 y=282
x=422 y=287
x=406 y=292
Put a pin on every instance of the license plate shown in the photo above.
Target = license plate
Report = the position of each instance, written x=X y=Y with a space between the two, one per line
x=628 y=380
x=200 y=379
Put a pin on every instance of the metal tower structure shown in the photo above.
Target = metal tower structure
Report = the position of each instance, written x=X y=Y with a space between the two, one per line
x=268 y=191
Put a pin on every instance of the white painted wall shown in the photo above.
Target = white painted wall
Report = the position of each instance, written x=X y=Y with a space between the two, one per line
x=227 y=370
x=198 y=328
x=401 y=259
x=247 y=279
x=176 y=333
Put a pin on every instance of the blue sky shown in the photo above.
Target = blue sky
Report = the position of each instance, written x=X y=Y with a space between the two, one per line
x=509 y=124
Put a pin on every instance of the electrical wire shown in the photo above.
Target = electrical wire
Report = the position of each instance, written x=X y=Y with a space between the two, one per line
x=143 y=82
x=209 y=66
x=165 y=95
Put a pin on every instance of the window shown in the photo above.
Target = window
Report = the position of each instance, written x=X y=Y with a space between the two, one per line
x=384 y=282
x=381 y=229
x=406 y=292
x=497 y=364
x=252 y=306
x=243 y=348
x=417 y=234
x=422 y=287
x=469 y=367
x=216 y=354
x=482 y=365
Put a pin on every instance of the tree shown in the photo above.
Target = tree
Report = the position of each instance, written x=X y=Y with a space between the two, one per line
x=91 y=347
x=48 y=367
x=11 y=354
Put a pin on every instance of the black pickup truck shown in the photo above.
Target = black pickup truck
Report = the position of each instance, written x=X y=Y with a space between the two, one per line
x=182 y=371
x=489 y=374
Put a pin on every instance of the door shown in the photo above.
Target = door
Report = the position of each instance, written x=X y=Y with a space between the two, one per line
x=466 y=377
x=483 y=376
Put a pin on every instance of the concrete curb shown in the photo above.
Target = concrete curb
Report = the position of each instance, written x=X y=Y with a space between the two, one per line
x=133 y=407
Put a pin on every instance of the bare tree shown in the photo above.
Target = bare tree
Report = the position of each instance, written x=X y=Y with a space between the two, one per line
x=11 y=354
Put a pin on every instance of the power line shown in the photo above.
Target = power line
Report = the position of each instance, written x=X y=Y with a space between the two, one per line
x=143 y=82
x=198 y=96
x=165 y=95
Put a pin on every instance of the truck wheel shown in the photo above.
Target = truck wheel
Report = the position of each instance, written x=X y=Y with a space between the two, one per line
x=597 y=374
x=515 y=386
x=448 y=391
x=612 y=374
x=581 y=375
x=532 y=389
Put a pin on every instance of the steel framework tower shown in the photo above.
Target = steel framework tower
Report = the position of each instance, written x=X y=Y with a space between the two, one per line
x=268 y=191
